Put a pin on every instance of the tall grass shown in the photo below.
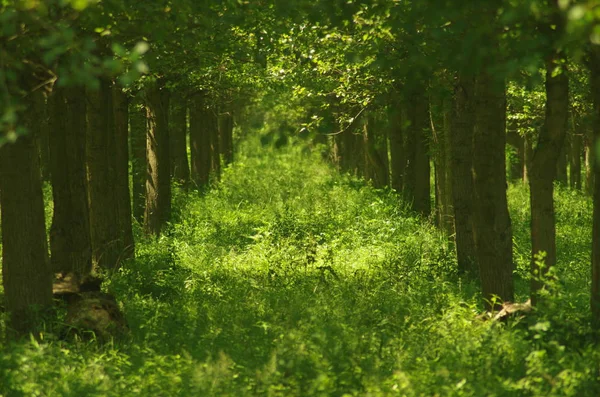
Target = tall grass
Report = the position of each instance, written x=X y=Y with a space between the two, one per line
x=289 y=279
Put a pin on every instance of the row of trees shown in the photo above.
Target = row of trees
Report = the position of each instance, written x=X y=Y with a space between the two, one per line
x=89 y=89
x=395 y=84
x=400 y=86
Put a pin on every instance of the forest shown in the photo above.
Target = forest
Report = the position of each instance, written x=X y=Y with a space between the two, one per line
x=300 y=198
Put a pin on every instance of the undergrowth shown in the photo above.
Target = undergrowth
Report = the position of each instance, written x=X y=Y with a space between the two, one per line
x=289 y=279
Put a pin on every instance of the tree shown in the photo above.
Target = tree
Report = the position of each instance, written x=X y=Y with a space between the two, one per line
x=491 y=221
x=26 y=271
x=123 y=194
x=158 y=181
x=107 y=244
x=180 y=168
x=70 y=240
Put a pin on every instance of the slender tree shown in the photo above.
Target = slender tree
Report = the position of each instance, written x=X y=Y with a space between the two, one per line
x=546 y=159
x=461 y=160
x=137 y=126
x=180 y=169
x=158 y=181
x=594 y=66
x=123 y=194
x=200 y=141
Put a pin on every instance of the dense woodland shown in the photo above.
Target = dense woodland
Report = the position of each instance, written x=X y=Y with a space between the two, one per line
x=378 y=197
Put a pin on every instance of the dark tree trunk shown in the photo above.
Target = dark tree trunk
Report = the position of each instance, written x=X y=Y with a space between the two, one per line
x=200 y=141
x=123 y=195
x=594 y=65
x=158 y=180
x=543 y=168
x=561 y=167
x=137 y=125
x=26 y=271
x=461 y=160
x=226 y=134
x=491 y=221
x=376 y=153
x=417 y=189
x=180 y=169
x=397 y=149
x=215 y=149
x=443 y=185
x=589 y=163
x=107 y=245
x=42 y=139
x=516 y=167
x=528 y=158
x=575 y=162
x=70 y=241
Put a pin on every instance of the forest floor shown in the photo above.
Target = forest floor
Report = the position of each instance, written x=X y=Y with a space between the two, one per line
x=288 y=279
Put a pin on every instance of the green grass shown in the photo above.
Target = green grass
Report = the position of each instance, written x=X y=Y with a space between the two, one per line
x=288 y=279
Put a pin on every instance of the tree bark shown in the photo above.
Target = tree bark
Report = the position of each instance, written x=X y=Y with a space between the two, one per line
x=594 y=66
x=180 y=169
x=543 y=171
x=107 y=245
x=417 y=189
x=215 y=149
x=123 y=194
x=397 y=149
x=42 y=139
x=226 y=133
x=516 y=168
x=443 y=186
x=461 y=160
x=590 y=151
x=376 y=153
x=70 y=240
x=200 y=142
x=575 y=162
x=26 y=271
x=492 y=227
x=158 y=180
x=137 y=125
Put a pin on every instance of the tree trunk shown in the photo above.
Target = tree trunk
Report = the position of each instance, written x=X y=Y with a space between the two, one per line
x=26 y=271
x=107 y=245
x=417 y=189
x=575 y=165
x=376 y=153
x=215 y=150
x=137 y=124
x=42 y=139
x=70 y=240
x=158 y=180
x=461 y=158
x=516 y=167
x=528 y=154
x=180 y=169
x=543 y=168
x=397 y=149
x=443 y=187
x=123 y=195
x=200 y=142
x=561 y=166
x=590 y=151
x=226 y=134
x=594 y=65
x=491 y=221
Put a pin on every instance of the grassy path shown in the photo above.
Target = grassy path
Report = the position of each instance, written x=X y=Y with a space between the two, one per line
x=290 y=280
